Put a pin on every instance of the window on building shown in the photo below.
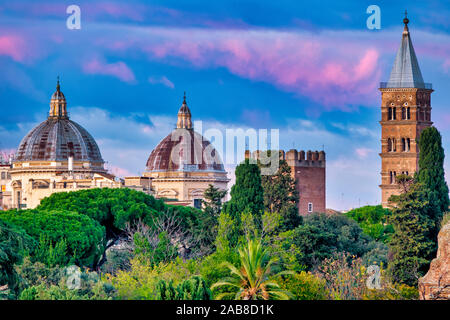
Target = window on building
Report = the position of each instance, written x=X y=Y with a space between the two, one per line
x=390 y=113
x=394 y=113
x=198 y=203
x=389 y=145
x=408 y=113
x=391 y=177
x=408 y=144
x=310 y=207
x=403 y=144
x=394 y=145
x=403 y=113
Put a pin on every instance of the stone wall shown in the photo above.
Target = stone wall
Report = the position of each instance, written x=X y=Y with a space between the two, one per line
x=435 y=285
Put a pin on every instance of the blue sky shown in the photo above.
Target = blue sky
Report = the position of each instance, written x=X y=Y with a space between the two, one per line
x=310 y=69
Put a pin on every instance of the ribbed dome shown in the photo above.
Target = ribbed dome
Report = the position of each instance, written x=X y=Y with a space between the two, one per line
x=56 y=140
x=184 y=150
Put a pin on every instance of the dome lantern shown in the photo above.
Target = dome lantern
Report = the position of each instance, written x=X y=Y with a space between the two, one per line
x=58 y=104
x=184 y=116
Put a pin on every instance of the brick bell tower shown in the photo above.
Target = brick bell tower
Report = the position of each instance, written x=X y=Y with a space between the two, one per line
x=405 y=112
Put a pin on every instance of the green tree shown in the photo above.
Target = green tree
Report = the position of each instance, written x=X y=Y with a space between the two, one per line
x=373 y=221
x=281 y=195
x=253 y=280
x=320 y=237
x=83 y=236
x=14 y=243
x=431 y=169
x=247 y=193
x=213 y=200
x=194 y=288
x=412 y=245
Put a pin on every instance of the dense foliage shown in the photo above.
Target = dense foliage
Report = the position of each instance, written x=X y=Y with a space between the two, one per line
x=373 y=221
x=110 y=207
x=247 y=194
x=281 y=195
x=413 y=244
x=194 y=288
x=252 y=279
x=13 y=244
x=320 y=237
x=63 y=237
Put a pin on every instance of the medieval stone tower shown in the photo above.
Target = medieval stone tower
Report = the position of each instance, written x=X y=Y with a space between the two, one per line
x=309 y=171
x=405 y=112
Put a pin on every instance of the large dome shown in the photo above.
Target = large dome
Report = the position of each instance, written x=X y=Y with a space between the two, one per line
x=184 y=150
x=58 y=138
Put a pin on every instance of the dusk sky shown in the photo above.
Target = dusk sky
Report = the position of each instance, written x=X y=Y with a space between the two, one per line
x=310 y=69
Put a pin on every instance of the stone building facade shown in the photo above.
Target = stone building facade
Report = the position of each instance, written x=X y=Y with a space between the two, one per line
x=405 y=112
x=184 y=164
x=309 y=171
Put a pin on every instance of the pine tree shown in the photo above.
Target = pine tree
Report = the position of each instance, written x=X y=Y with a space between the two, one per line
x=213 y=197
x=412 y=245
x=431 y=167
x=281 y=195
x=247 y=193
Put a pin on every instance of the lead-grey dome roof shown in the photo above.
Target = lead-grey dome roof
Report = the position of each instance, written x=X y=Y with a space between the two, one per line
x=55 y=140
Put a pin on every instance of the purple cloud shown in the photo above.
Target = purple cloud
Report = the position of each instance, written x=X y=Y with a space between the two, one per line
x=118 y=69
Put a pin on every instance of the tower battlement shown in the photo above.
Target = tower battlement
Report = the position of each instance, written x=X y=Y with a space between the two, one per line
x=300 y=158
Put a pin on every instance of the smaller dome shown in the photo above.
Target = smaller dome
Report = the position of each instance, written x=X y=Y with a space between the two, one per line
x=184 y=150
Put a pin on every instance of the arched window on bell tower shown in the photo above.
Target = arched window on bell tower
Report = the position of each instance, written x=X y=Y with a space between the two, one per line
x=389 y=113
x=408 y=144
x=403 y=144
x=389 y=143
x=403 y=113
x=394 y=113
x=408 y=113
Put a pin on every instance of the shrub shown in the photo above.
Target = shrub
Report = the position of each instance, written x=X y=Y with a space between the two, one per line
x=373 y=221
x=83 y=236
x=305 y=286
x=14 y=242
x=194 y=288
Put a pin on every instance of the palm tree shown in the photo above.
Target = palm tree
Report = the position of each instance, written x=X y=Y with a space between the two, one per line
x=252 y=281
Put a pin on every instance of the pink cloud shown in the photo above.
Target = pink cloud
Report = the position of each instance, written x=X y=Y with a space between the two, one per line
x=118 y=69
x=324 y=70
x=12 y=46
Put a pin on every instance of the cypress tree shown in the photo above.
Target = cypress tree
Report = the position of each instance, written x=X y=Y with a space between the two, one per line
x=431 y=167
x=412 y=246
x=281 y=195
x=247 y=194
